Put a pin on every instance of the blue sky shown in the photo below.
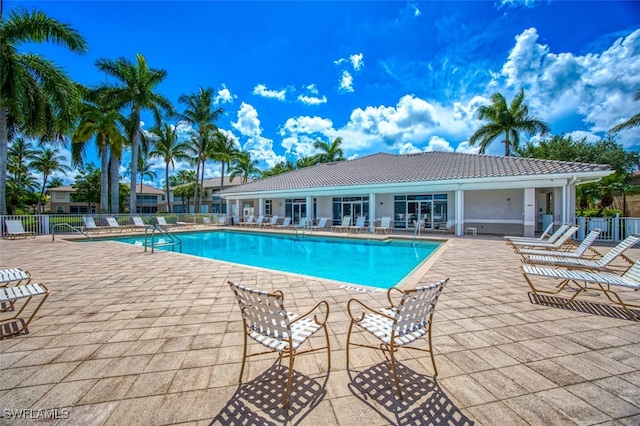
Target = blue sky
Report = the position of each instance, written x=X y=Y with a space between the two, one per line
x=386 y=76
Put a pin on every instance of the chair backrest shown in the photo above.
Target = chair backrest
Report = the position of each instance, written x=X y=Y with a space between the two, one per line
x=260 y=219
x=206 y=220
x=360 y=221
x=112 y=222
x=633 y=273
x=323 y=222
x=565 y=237
x=263 y=312
x=622 y=246
x=559 y=233
x=137 y=220
x=274 y=219
x=89 y=222
x=385 y=222
x=546 y=231
x=161 y=221
x=303 y=222
x=346 y=221
x=586 y=243
x=286 y=221
x=14 y=226
x=222 y=220
x=416 y=307
x=249 y=219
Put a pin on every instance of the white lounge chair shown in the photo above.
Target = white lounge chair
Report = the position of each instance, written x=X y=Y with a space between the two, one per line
x=359 y=226
x=385 y=225
x=576 y=254
x=268 y=322
x=90 y=225
x=400 y=324
x=113 y=224
x=258 y=222
x=247 y=222
x=10 y=296
x=286 y=223
x=302 y=224
x=600 y=264
x=546 y=233
x=564 y=238
x=273 y=222
x=138 y=223
x=346 y=221
x=603 y=281
x=14 y=229
x=322 y=224
x=163 y=222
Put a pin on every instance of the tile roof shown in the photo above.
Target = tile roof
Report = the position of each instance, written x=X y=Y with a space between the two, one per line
x=146 y=189
x=384 y=168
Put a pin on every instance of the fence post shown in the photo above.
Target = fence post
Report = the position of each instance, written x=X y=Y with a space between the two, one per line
x=582 y=227
x=616 y=228
x=44 y=224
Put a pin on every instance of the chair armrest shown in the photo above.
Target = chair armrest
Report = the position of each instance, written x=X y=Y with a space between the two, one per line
x=393 y=305
x=324 y=311
x=366 y=308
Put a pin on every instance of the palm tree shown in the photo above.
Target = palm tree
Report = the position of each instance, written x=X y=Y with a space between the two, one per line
x=306 y=161
x=223 y=150
x=19 y=154
x=634 y=121
x=508 y=119
x=36 y=96
x=105 y=126
x=201 y=113
x=136 y=93
x=330 y=151
x=48 y=161
x=165 y=144
x=244 y=167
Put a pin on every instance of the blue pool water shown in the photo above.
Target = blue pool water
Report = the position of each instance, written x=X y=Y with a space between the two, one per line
x=380 y=264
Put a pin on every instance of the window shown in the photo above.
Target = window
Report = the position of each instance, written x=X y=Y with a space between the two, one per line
x=58 y=195
x=268 y=207
x=59 y=209
x=147 y=199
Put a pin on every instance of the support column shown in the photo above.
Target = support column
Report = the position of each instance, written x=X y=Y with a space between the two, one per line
x=459 y=212
x=372 y=212
x=260 y=206
x=529 y=212
x=310 y=208
x=238 y=212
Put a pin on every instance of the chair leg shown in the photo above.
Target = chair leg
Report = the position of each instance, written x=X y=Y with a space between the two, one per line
x=326 y=333
x=286 y=396
x=348 y=340
x=394 y=371
x=244 y=357
x=433 y=360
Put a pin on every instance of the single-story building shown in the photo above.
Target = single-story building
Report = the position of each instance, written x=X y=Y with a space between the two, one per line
x=493 y=194
x=211 y=202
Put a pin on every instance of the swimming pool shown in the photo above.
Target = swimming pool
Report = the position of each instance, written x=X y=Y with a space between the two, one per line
x=374 y=263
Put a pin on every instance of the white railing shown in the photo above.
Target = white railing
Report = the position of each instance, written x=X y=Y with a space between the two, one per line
x=43 y=224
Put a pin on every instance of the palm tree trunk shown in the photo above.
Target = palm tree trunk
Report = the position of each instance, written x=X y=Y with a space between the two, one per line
x=4 y=142
x=507 y=144
x=44 y=186
x=195 y=187
x=114 y=167
x=104 y=177
x=201 y=186
x=135 y=141
x=167 y=185
x=221 y=186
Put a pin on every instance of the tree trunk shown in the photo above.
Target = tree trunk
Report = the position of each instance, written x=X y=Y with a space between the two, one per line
x=114 y=167
x=104 y=177
x=167 y=185
x=221 y=186
x=4 y=142
x=135 y=141
x=44 y=186
x=195 y=186
x=201 y=187
x=507 y=144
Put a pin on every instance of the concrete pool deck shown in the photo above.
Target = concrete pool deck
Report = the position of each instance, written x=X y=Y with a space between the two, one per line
x=128 y=337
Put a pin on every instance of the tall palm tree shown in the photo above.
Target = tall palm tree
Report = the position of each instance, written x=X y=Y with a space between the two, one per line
x=307 y=161
x=200 y=112
x=105 y=125
x=329 y=151
x=165 y=144
x=37 y=98
x=223 y=150
x=48 y=161
x=136 y=92
x=19 y=154
x=505 y=119
x=244 y=166
x=634 y=121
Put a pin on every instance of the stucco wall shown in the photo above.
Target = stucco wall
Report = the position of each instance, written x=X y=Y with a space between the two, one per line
x=494 y=211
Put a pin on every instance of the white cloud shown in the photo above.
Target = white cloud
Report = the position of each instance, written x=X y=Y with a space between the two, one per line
x=261 y=90
x=312 y=100
x=261 y=148
x=312 y=88
x=515 y=3
x=346 y=82
x=416 y=11
x=356 y=61
x=596 y=88
x=300 y=133
x=223 y=96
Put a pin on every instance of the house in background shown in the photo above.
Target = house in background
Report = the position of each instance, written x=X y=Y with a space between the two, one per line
x=211 y=202
x=493 y=194
x=149 y=200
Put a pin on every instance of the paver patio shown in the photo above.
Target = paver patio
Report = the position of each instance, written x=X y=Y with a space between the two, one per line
x=128 y=337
